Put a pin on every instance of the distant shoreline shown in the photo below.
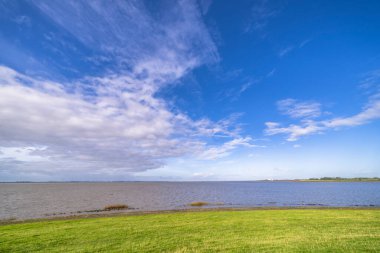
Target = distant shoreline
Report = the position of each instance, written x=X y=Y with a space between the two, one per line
x=340 y=179
x=322 y=179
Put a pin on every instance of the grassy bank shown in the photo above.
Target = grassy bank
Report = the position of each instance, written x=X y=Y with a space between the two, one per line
x=313 y=230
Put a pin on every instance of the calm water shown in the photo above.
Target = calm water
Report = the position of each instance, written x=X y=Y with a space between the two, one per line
x=48 y=199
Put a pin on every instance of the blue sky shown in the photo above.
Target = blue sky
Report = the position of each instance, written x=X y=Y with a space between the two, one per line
x=189 y=90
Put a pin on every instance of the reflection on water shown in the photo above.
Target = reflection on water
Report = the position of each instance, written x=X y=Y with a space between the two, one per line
x=34 y=200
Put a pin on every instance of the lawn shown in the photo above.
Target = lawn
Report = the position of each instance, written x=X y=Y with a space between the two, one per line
x=293 y=230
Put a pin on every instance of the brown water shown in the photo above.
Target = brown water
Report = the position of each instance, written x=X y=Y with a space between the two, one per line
x=37 y=200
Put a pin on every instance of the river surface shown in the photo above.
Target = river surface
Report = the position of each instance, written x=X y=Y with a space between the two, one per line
x=38 y=200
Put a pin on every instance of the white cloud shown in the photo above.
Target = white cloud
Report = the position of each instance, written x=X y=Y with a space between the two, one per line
x=235 y=91
x=203 y=175
x=121 y=127
x=25 y=154
x=371 y=83
x=370 y=112
x=303 y=43
x=293 y=131
x=44 y=113
x=113 y=123
x=133 y=36
x=205 y=5
x=262 y=13
x=215 y=152
x=285 y=51
x=297 y=109
x=308 y=126
x=22 y=20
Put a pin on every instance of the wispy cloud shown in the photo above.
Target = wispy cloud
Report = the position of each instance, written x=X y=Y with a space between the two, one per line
x=303 y=43
x=308 y=111
x=241 y=83
x=371 y=83
x=262 y=13
x=308 y=127
x=22 y=20
x=203 y=175
x=297 y=109
x=288 y=49
x=293 y=131
x=234 y=93
x=114 y=123
x=131 y=35
x=121 y=125
x=205 y=5
x=370 y=112
x=271 y=73
x=216 y=152
x=285 y=51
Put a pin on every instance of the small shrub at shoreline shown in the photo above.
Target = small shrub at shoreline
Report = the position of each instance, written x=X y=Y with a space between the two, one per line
x=199 y=203
x=115 y=207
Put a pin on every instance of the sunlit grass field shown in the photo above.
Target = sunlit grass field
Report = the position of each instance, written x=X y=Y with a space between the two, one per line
x=293 y=230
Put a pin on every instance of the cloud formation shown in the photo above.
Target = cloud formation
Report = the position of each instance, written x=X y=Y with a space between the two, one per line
x=220 y=151
x=130 y=34
x=293 y=131
x=115 y=123
x=297 y=109
x=121 y=126
x=262 y=13
x=306 y=111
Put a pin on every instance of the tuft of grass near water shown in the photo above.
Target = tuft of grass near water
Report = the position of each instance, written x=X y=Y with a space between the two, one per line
x=115 y=207
x=204 y=203
x=199 y=203
x=291 y=230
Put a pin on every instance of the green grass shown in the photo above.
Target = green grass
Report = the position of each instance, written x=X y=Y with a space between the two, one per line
x=294 y=230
